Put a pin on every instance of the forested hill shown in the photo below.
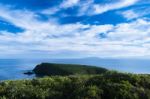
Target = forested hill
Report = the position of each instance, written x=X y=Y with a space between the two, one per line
x=110 y=85
x=66 y=69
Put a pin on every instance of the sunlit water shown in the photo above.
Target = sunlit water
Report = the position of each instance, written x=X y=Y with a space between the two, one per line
x=14 y=68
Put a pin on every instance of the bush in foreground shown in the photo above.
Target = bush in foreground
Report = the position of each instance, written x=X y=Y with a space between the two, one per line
x=110 y=85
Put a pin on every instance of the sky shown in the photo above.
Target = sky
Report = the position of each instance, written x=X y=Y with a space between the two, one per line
x=74 y=28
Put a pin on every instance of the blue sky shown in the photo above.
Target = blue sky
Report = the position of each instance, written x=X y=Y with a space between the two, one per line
x=74 y=28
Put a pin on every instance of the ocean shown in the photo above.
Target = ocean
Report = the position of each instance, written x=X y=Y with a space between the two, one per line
x=12 y=69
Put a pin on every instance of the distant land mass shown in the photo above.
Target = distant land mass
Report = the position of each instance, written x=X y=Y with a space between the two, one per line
x=66 y=69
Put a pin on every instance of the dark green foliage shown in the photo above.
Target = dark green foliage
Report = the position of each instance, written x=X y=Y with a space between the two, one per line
x=66 y=69
x=110 y=85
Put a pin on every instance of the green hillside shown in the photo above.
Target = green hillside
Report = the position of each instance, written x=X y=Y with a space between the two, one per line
x=66 y=69
x=109 y=85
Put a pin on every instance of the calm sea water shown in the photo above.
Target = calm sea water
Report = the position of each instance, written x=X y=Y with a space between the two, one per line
x=14 y=68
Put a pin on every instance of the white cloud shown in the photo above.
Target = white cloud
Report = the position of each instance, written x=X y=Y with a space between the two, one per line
x=123 y=40
x=50 y=11
x=69 y=3
x=64 y=5
x=99 y=8
x=89 y=7
x=130 y=14
x=135 y=13
x=138 y=29
x=85 y=8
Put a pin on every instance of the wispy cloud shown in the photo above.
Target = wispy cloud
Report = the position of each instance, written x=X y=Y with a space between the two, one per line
x=101 y=8
x=136 y=13
x=130 y=39
x=69 y=3
x=64 y=5
x=89 y=7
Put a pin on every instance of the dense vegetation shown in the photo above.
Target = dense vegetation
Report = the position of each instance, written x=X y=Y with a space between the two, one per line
x=110 y=85
x=66 y=69
x=100 y=84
